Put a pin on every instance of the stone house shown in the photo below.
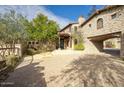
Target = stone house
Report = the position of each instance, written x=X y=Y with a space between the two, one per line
x=66 y=41
x=104 y=24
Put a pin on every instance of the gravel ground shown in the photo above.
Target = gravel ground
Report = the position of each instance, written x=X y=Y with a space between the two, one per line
x=88 y=70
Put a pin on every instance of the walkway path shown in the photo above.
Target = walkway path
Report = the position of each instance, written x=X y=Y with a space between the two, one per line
x=68 y=70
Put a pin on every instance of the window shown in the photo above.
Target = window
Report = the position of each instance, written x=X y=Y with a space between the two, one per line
x=89 y=25
x=114 y=16
x=33 y=43
x=29 y=42
x=99 y=23
x=75 y=41
x=37 y=42
x=75 y=28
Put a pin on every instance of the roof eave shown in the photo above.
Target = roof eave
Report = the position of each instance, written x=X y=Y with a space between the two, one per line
x=67 y=26
x=98 y=12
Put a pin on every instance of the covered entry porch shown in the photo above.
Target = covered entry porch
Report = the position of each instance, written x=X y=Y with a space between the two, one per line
x=65 y=41
x=97 y=43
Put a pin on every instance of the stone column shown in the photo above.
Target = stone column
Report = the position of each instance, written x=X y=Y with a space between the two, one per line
x=71 y=42
x=19 y=49
x=122 y=45
x=59 y=43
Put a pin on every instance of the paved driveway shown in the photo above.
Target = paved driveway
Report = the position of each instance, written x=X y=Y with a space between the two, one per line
x=68 y=70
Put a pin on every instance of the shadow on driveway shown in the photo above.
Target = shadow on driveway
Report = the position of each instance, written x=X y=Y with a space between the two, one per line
x=92 y=71
x=26 y=76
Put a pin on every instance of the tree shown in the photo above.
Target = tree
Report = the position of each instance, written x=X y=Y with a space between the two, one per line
x=16 y=28
x=12 y=29
x=42 y=29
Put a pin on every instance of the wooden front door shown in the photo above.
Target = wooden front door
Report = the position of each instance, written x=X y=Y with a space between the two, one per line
x=62 y=43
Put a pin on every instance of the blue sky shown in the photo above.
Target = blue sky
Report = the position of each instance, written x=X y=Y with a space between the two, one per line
x=62 y=14
x=72 y=12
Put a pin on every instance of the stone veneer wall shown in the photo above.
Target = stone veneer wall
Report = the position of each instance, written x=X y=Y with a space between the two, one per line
x=70 y=30
x=109 y=26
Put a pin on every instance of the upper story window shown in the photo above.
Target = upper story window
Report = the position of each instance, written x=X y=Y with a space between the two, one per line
x=75 y=28
x=89 y=25
x=37 y=42
x=113 y=16
x=99 y=23
x=29 y=42
x=33 y=43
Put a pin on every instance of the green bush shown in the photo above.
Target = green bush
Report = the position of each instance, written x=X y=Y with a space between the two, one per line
x=30 y=51
x=12 y=60
x=79 y=46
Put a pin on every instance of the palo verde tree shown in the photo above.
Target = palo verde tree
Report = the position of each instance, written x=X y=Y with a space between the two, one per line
x=42 y=29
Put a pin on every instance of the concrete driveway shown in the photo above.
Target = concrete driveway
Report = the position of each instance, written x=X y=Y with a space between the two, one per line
x=68 y=70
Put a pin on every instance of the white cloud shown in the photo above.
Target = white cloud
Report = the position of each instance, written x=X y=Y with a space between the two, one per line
x=30 y=12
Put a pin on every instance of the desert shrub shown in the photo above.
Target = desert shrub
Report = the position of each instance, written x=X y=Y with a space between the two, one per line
x=12 y=60
x=79 y=46
x=31 y=51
